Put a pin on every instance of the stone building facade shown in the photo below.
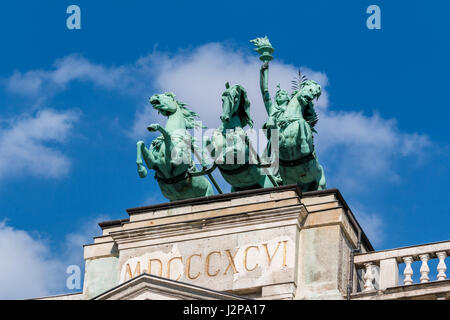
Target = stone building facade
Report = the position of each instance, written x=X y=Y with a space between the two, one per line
x=272 y=243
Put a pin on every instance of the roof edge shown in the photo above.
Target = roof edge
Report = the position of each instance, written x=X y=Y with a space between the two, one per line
x=225 y=196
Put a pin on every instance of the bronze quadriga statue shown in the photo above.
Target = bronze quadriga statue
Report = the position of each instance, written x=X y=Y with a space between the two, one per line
x=292 y=115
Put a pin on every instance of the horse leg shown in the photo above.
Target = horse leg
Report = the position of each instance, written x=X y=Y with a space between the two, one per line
x=141 y=149
x=167 y=141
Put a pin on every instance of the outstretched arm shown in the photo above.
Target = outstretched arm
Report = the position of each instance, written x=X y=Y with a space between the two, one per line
x=264 y=85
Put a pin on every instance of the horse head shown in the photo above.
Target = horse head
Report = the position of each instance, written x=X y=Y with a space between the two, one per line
x=165 y=103
x=309 y=91
x=235 y=103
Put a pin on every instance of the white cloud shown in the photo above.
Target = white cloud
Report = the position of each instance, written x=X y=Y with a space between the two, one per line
x=42 y=84
x=33 y=267
x=198 y=78
x=356 y=149
x=74 y=67
x=358 y=146
x=27 y=144
x=361 y=146
x=27 y=269
x=357 y=130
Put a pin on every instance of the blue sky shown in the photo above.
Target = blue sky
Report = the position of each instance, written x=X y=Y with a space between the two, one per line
x=73 y=103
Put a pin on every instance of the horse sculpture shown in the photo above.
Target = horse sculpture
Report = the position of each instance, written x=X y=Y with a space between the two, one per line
x=290 y=147
x=294 y=117
x=229 y=144
x=170 y=154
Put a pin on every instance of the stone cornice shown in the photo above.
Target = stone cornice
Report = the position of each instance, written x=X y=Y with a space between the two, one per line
x=241 y=194
x=214 y=198
x=265 y=218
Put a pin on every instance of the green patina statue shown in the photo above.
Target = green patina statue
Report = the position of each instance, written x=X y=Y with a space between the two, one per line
x=230 y=147
x=294 y=116
x=170 y=154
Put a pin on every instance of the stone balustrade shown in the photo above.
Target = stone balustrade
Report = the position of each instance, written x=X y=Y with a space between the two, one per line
x=379 y=270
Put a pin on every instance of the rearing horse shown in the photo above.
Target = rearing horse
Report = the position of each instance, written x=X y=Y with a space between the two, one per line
x=298 y=160
x=293 y=116
x=230 y=142
x=170 y=154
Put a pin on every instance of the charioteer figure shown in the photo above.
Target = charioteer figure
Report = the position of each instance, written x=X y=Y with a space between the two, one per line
x=293 y=115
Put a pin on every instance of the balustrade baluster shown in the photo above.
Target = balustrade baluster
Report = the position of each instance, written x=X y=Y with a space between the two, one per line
x=424 y=269
x=441 y=268
x=408 y=272
x=368 y=277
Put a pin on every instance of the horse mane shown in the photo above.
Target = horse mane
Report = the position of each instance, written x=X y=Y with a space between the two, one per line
x=189 y=116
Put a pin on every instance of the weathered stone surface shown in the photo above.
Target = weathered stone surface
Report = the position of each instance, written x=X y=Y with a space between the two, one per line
x=273 y=243
x=100 y=275
x=262 y=244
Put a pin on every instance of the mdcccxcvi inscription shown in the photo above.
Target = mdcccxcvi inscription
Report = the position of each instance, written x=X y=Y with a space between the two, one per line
x=256 y=259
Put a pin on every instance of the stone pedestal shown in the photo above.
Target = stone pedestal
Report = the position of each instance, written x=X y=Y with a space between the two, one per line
x=273 y=243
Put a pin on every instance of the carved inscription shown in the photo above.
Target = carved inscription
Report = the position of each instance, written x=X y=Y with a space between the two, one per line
x=214 y=263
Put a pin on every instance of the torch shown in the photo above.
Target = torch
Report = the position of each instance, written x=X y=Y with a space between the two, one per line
x=264 y=48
